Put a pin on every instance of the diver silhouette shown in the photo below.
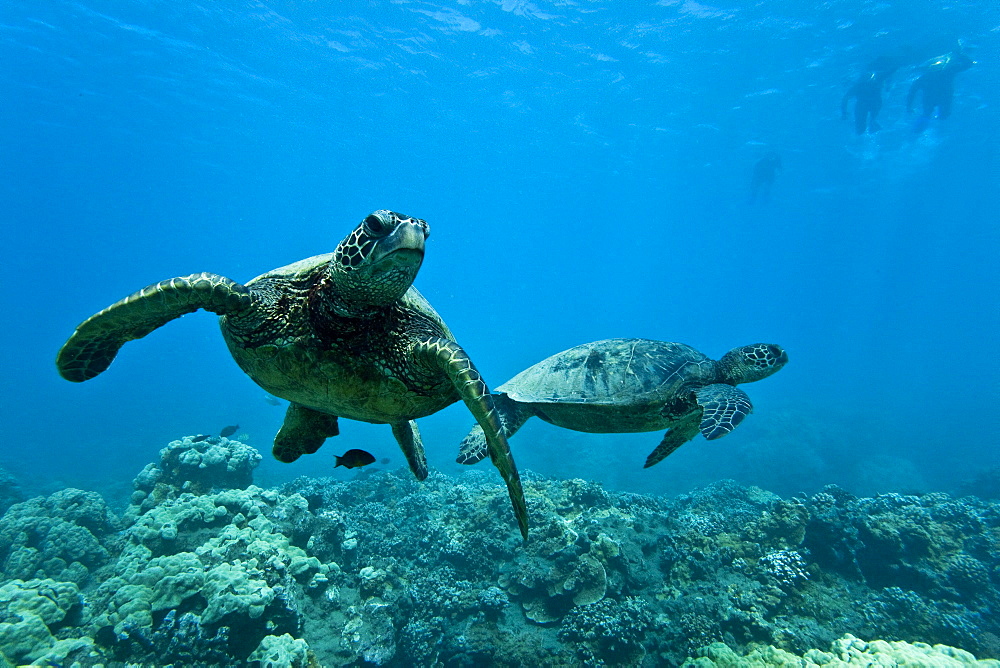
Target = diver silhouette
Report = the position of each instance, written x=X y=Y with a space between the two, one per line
x=764 y=171
x=937 y=84
x=867 y=93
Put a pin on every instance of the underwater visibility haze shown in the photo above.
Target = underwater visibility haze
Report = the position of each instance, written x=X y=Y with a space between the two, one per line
x=825 y=177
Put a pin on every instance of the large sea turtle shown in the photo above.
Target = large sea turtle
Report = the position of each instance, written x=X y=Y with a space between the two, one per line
x=632 y=385
x=338 y=335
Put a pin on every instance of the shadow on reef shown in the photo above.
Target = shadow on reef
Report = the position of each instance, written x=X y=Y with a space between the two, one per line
x=204 y=568
x=10 y=490
x=985 y=484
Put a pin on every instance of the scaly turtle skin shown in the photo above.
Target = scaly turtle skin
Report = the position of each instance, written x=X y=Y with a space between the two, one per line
x=632 y=385
x=338 y=335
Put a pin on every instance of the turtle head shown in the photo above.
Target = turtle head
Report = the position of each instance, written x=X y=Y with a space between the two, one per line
x=377 y=262
x=754 y=362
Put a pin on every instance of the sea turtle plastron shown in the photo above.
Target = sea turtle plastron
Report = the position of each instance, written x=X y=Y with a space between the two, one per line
x=632 y=385
x=338 y=335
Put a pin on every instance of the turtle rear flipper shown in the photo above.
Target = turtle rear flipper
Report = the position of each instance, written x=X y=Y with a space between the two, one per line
x=723 y=408
x=408 y=437
x=94 y=344
x=512 y=414
x=303 y=432
x=676 y=436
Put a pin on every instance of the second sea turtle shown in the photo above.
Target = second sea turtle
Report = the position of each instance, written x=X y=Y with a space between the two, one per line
x=633 y=385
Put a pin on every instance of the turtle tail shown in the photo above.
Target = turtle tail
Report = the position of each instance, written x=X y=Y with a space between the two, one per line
x=94 y=344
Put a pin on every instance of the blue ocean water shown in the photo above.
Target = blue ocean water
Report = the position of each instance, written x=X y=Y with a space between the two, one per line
x=584 y=167
x=586 y=170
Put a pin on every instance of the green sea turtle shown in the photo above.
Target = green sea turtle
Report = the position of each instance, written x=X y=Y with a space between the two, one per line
x=338 y=335
x=632 y=385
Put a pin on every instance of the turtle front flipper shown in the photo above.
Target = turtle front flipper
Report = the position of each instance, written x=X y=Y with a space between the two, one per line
x=676 y=436
x=408 y=437
x=94 y=344
x=302 y=432
x=444 y=354
x=723 y=408
x=512 y=414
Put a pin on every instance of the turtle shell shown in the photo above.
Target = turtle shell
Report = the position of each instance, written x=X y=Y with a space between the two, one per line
x=304 y=269
x=299 y=269
x=289 y=355
x=612 y=372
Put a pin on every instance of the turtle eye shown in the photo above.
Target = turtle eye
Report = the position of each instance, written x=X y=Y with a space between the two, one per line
x=375 y=226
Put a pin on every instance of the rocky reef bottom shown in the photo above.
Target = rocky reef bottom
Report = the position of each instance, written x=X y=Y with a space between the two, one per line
x=204 y=568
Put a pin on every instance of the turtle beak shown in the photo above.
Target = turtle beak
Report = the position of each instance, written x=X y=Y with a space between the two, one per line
x=405 y=243
x=781 y=354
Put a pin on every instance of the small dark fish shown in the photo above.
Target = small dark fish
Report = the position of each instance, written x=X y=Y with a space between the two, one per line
x=353 y=459
x=229 y=431
x=384 y=460
x=199 y=439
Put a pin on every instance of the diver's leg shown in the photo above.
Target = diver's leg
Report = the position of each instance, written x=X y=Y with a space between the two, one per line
x=929 y=105
x=944 y=107
x=860 y=118
x=876 y=107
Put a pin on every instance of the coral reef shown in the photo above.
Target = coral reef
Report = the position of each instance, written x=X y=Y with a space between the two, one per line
x=195 y=466
x=844 y=653
x=205 y=568
x=282 y=651
x=68 y=536
x=31 y=612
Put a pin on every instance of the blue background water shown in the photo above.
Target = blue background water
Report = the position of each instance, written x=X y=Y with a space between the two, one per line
x=584 y=167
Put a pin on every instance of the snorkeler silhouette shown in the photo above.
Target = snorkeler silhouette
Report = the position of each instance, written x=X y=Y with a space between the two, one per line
x=867 y=93
x=764 y=171
x=937 y=83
